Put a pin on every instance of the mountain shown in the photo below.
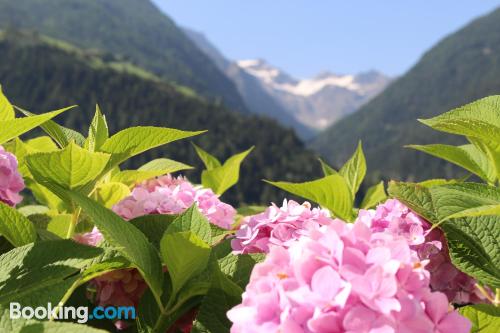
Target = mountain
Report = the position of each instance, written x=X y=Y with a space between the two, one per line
x=461 y=68
x=40 y=74
x=306 y=105
x=320 y=101
x=134 y=29
x=256 y=98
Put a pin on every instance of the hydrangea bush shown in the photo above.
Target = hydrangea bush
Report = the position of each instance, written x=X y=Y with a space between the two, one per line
x=411 y=257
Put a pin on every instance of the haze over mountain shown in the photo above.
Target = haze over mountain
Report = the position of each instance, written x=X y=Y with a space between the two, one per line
x=319 y=101
x=133 y=29
x=256 y=98
x=307 y=105
x=41 y=74
x=463 y=67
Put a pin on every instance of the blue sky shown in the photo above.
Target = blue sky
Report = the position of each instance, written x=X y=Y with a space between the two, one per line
x=304 y=37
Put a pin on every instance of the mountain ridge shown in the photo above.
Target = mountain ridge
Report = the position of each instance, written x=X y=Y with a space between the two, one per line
x=270 y=91
x=321 y=100
x=258 y=100
x=134 y=29
x=41 y=76
x=461 y=68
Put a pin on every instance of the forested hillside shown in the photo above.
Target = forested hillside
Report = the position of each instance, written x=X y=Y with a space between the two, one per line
x=39 y=76
x=460 y=69
x=134 y=29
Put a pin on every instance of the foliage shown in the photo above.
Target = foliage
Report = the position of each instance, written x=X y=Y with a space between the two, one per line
x=190 y=267
x=337 y=190
x=461 y=68
x=80 y=181
x=467 y=212
x=137 y=31
x=131 y=100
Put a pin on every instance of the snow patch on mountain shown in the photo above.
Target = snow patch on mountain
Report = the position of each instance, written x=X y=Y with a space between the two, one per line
x=316 y=102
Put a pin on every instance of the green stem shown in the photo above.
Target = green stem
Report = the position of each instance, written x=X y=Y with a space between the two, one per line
x=67 y=295
x=486 y=293
x=74 y=221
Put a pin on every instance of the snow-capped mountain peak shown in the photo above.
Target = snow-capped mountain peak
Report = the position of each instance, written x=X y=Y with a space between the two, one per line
x=311 y=103
x=277 y=79
x=317 y=101
x=265 y=72
x=308 y=87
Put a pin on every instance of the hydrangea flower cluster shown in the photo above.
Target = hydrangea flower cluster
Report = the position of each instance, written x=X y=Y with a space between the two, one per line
x=394 y=217
x=277 y=226
x=283 y=225
x=11 y=181
x=163 y=195
x=170 y=195
x=344 y=278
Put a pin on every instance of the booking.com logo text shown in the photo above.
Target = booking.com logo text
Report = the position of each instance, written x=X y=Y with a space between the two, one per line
x=81 y=314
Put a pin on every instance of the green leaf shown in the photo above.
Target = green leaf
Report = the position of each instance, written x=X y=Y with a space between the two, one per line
x=154 y=168
x=415 y=196
x=465 y=199
x=443 y=202
x=221 y=178
x=22 y=149
x=479 y=119
x=250 y=210
x=6 y=109
x=127 y=239
x=467 y=156
x=71 y=167
x=44 y=196
x=14 y=127
x=474 y=247
x=42 y=143
x=437 y=181
x=331 y=192
x=194 y=221
x=354 y=170
x=218 y=234
x=223 y=295
x=62 y=135
x=491 y=150
x=32 y=210
x=327 y=170
x=186 y=255
x=210 y=161
x=149 y=316
x=110 y=260
x=42 y=272
x=98 y=131
x=485 y=318
x=239 y=267
x=374 y=195
x=135 y=140
x=59 y=225
x=153 y=226
x=108 y=194
x=33 y=326
x=15 y=227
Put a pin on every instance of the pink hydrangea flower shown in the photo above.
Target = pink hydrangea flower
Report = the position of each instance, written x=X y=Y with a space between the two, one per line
x=122 y=287
x=11 y=182
x=163 y=195
x=277 y=226
x=343 y=278
x=396 y=218
x=170 y=195
x=93 y=237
